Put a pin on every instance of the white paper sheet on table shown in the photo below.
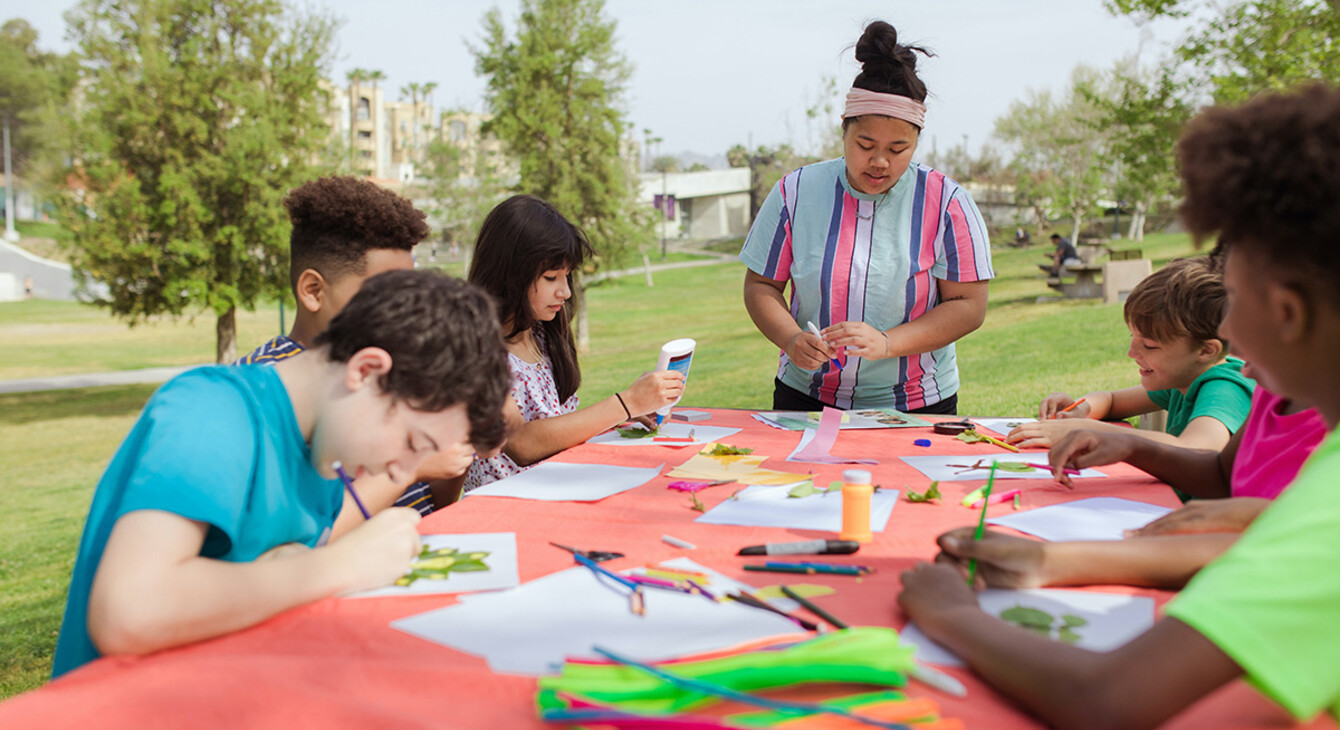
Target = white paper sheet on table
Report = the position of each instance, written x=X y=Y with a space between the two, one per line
x=948 y=468
x=502 y=572
x=701 y=435
x=1113 y=620
x=559 y=482
x=762 y=506
x=531 y=629
x=869 y=418
x=1001 y=426
x=1095 y=518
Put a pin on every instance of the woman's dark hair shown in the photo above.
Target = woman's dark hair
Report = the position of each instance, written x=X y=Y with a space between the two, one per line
x=886 y=65
x=519 y=240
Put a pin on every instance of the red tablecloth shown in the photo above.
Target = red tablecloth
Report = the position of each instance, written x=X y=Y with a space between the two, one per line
x=337 y=663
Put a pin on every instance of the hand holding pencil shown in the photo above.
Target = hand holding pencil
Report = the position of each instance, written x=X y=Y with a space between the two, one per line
x=1060 y=405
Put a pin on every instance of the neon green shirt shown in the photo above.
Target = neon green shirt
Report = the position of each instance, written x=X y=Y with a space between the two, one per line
x=1272 y=602
x=1222 y=393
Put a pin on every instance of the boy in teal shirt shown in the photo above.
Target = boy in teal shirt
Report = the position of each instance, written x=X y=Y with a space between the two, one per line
x=1266 y=609
x=1173 y=315
x=216 y=512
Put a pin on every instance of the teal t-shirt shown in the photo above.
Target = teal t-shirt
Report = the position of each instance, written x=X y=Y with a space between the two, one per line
x=1222 y=393
x=1271 y=602
x=218 y=445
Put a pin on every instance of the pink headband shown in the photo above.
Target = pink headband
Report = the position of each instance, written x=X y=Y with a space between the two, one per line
x=864 y=101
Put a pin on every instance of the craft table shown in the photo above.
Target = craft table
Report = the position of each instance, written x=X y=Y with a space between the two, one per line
x=338 y=664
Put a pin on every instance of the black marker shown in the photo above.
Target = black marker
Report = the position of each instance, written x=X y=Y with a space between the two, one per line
x=807 y=547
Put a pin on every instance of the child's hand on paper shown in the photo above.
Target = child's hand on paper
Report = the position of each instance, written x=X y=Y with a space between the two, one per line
x=858 y=339
x=1085 y=447
x=1002 y=561
x=653 y=390
x=1052 y=405
x=932 y=593
x=808 y=351
x=1042 y=434
x=1208 y=515
x=376 y=552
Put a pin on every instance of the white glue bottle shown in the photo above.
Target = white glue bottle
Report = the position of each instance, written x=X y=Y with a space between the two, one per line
x=676 y=355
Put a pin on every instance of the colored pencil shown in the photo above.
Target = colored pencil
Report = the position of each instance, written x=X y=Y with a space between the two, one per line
x=806 y=569
x=832 y=621
x=981 y=521
x=349 y=485
x=1068 y=408
x=749 y=600
x=819 y=566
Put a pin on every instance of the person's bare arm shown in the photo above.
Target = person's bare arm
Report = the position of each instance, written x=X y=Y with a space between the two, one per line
x=765 y=300
x=152 y=590
x=1202 y=433
x=1166 y=669
x=1199 y=472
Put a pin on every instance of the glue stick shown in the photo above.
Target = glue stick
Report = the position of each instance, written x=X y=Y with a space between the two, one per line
x=856 y=493
x=676 y=355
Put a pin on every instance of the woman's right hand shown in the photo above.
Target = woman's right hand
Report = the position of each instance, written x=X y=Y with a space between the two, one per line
x=1052 y=405
x=652 y=391
x=808 y=351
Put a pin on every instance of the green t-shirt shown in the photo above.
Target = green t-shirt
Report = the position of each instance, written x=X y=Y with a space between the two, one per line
x=1272 y=602
x=1222 y=393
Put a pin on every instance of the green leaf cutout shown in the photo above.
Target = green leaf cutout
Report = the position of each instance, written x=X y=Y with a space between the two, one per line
x=933 y=492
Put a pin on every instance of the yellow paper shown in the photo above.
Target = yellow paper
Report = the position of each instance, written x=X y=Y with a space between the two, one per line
x=742 y=468
x=804 y=590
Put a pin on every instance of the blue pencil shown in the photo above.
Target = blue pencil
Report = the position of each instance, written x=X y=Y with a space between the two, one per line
x=349 y=485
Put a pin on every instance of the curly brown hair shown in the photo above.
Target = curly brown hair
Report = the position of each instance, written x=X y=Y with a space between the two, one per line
x=1265 y=176
x=338 y=219
x=445 y=344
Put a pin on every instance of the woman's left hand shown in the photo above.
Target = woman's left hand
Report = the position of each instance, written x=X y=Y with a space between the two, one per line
x=857 y=339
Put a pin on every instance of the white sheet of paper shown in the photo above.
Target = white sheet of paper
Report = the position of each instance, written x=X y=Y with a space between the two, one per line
x=502 y=572
x=1095 y=518
x=558 y=482
x=762 y=506
x=1001 y=426
x=1112 y=619
x=701 y=435
x=531 y=629
x=948 y=468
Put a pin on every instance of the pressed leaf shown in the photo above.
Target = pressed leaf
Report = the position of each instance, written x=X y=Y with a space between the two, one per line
x=1028 y=617
x=933 y=492
x=637 y=432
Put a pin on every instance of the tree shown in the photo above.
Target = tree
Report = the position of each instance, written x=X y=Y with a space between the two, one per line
x=556 y=92
x=766 y=166
x=1239 y=49
x=463 y=188
x=198 y=116
x=1058 y=147
x=30 y=82
x=665 y=163
x=1142 y=114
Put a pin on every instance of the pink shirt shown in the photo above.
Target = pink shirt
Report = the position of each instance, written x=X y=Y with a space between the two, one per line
x=1273 y=447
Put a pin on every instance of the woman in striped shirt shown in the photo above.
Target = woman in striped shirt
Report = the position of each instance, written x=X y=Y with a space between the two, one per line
x=889 y=257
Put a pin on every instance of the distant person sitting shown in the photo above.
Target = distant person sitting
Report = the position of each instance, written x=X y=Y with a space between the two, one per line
x=1064 y=255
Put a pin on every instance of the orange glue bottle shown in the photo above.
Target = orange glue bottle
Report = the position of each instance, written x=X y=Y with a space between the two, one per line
x=856 y=493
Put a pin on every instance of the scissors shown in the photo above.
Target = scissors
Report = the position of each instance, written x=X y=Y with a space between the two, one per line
x=598 y=556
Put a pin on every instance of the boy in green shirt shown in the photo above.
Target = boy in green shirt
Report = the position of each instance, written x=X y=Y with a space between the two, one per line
x=1184 y=366
x=1266 y=609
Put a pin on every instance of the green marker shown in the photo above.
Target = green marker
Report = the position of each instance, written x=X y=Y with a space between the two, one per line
x=981 y=521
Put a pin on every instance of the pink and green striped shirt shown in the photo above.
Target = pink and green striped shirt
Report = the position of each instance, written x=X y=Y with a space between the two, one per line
x=853 y=257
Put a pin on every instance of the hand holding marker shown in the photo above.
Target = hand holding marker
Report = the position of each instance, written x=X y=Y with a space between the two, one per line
x=820 y=335
x=676 y=355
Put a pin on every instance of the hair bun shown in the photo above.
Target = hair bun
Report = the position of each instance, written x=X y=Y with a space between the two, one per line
x=886 y=65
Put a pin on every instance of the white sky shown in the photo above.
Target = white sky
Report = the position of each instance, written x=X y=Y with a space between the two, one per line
x=709 y=74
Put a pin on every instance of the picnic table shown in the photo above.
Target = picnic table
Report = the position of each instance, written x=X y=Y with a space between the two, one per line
x=337 y=663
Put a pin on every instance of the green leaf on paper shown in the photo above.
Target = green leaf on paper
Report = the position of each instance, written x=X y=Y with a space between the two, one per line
x=1016 y=466
x=441 y=563
x=637 y=432
x=931 y=493
x=725 y=450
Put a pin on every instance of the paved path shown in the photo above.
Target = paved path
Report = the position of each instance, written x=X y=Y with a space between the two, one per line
x=91 y=380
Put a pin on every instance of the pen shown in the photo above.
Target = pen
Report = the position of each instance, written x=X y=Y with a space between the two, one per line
x=804 y=547
x=981 y=521
x=349 y=485
x=818 y=334
x=832 y=621
x=808 y=569
x=1068 y=408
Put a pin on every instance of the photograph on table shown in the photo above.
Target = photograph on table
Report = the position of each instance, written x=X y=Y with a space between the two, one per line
x=866 y=418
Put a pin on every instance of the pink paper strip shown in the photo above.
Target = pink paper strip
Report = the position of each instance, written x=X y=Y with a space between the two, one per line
x=817 y=450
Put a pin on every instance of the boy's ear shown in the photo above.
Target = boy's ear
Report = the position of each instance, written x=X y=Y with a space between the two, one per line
x=1211 y=351
x=311 y=290
x=365 y=366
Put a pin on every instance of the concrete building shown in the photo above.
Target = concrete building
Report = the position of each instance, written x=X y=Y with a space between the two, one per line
x=700 y=206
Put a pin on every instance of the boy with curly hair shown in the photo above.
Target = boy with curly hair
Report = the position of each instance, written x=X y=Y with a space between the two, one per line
x=1266 y=609
x=216 y=511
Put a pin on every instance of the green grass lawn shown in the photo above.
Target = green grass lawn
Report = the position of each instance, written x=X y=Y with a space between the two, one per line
x=57 y=443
